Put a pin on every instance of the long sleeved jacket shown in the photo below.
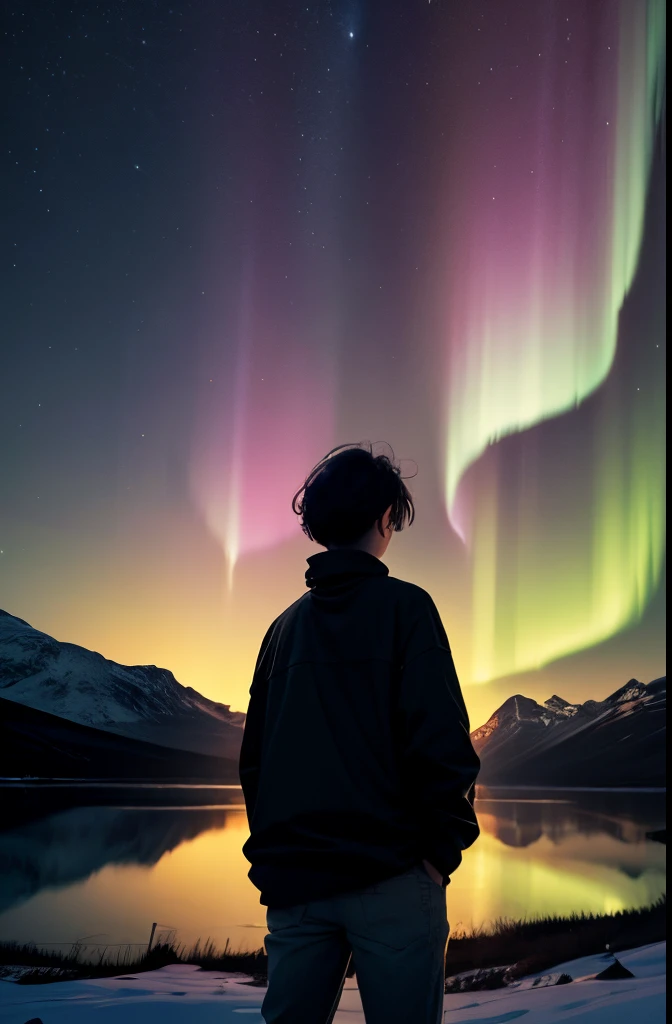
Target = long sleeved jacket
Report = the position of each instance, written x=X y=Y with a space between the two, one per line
x=356 y=760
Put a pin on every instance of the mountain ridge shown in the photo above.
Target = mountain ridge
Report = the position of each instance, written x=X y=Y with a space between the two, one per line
x=37 y=745
x=558 y=743
x=141 y=702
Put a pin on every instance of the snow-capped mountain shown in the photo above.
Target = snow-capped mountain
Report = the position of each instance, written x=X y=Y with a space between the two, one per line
x=619 y=741
x=139 y=702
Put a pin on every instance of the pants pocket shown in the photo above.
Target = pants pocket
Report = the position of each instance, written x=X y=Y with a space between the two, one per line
x=279 y=918
x=396 y=915
x=377 y=887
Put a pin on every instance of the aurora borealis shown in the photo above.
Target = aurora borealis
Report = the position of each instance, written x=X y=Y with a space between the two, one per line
x=553 y=231
x=239 y=237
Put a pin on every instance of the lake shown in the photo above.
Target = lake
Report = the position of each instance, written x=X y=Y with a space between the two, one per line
x=101 y=863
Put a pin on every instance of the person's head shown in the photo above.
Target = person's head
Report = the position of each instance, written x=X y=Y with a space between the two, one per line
x=354 y=499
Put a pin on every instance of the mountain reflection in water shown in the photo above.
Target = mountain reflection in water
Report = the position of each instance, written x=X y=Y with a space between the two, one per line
x=132 y=856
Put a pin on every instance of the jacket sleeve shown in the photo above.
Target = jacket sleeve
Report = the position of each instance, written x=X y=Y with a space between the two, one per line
x=249 y=765
x=438 y=762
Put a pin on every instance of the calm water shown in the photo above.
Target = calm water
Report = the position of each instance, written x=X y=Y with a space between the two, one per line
x=104 y=872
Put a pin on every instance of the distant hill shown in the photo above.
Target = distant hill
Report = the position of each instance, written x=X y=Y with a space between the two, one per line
x=39 y=745
x=619 y=741
x=138 y=702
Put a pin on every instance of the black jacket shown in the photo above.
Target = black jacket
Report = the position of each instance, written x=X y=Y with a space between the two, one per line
x=356 y=760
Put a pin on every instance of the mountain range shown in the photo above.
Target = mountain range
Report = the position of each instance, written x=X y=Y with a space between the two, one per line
x=35 y=744
x=619 y=741
x=140 y=702
x=69 y=712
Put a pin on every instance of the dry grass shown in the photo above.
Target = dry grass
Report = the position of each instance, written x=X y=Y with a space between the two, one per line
x=531 y=945
x=537 y=944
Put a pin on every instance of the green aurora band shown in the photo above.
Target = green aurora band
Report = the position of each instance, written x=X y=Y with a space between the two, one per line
x=572 y=553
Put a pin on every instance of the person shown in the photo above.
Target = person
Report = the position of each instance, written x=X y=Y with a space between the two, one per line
x=356 y=765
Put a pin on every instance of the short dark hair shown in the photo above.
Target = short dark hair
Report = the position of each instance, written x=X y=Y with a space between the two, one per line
x=348 y=491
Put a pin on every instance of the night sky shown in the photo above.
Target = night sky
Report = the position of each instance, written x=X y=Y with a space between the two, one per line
x=238 y=234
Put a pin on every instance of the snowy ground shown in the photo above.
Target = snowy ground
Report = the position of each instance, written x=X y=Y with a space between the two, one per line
x=180 y=994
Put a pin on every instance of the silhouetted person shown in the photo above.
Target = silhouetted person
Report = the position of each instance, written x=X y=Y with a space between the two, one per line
x=356 y=766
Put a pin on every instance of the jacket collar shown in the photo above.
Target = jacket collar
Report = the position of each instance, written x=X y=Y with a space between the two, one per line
x=330 y=567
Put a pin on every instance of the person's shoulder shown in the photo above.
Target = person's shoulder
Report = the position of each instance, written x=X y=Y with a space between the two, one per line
x=410 y=593
x=417 y=615
x=291 y=610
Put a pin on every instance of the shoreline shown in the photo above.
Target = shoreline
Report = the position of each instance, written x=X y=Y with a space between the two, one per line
x=73 y=783
x=531 y=945
x=576 y=789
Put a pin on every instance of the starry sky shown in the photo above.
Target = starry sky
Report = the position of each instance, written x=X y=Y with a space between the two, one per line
x=237 y=235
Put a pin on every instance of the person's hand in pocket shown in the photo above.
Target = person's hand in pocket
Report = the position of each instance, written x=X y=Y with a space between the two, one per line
x=435 y=875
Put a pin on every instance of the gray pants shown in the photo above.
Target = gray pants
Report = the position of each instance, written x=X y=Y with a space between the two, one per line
x=397 y=932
